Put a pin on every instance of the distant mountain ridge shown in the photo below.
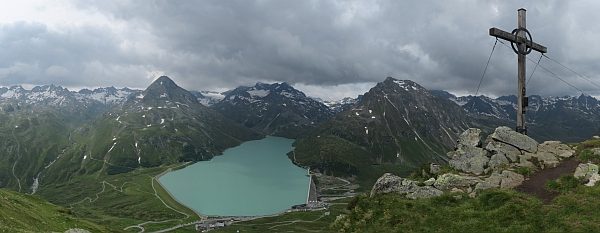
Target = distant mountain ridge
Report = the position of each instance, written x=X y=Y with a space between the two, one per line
x=277 y=109
x=566 y=118
x=58 y=96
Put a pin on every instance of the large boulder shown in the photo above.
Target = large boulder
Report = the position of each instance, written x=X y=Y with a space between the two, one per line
x=469 y=159
x=555 y=147
x=389 y=183
x=511 y=152
x=424 y=192
x=449 y=181
x=511 y=137
x=470 y=137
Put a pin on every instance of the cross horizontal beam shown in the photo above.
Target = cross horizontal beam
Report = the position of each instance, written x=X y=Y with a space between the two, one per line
x=498 y=33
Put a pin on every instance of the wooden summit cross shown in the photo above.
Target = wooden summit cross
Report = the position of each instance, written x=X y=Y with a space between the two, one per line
x=518 y=38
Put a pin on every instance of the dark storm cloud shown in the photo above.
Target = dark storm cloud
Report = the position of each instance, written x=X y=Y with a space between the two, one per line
x=209 y=44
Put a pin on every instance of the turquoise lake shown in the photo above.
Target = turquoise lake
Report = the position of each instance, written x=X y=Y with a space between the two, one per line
x=253 y=179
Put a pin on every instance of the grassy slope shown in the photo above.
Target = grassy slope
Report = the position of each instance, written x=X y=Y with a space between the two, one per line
x=128 y=199
x=25 y=213
x=336 y=156
x=493 y=211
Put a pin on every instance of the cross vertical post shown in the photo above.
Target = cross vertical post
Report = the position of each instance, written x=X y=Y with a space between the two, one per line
x=522 y=44
x=521 y=99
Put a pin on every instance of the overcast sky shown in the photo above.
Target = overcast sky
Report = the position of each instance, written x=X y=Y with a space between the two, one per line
x=328 y=49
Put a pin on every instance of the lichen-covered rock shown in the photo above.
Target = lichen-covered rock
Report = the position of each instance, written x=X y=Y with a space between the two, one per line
x=511 y=137
x=470 y=137
x=469 y=159
x=556 y=148
x=429 y=182
x=511 y=152
x=585 y=170
x=511 y=179
x=449 y=181
x=424 y=192
x=497 y=161
x=389 y=183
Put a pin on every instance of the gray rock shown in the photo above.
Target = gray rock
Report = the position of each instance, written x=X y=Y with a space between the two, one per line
x=593 y=179
x=470 y=137
x=424 y=192
x=469 y=159
x=511 y=137
x=389 y=183
x=429 y=182
x=524 y=160
x=449 y=181
x=547 y=159
x=505 y=180
x=556 y=148
x=491 y=182
x=511 y=179
x=511 y=152
x=586 y=170
x=497 y=161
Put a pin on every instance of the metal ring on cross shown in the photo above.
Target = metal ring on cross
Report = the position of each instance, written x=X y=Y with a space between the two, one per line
x=528 y=47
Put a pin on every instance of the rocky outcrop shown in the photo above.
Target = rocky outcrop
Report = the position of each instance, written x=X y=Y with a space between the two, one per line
x=505 y=149
x=511 y=152
x=481 y=168
x=469 y=159
x=389 y=183
x=504 y=180
x=556 y=148
x=511 y=137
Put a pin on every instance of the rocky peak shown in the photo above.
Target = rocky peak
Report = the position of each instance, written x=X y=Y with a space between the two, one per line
x=399 y=85
x=50 y=88
x=165 y=89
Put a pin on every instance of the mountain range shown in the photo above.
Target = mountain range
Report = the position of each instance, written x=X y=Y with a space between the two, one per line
x=68 y=146
x=565 y=118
